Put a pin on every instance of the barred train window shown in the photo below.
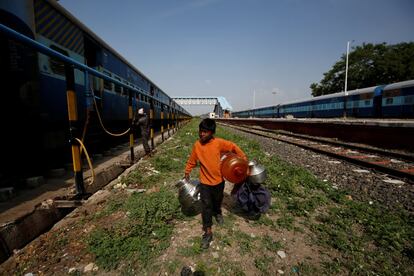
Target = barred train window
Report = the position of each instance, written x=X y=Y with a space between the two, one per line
x=118 y=88
x=389 y=101
x=107 y=84
x=409 y=99
x=56 y=65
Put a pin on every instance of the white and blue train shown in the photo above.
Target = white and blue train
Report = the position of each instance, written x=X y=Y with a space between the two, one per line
x=394 y=100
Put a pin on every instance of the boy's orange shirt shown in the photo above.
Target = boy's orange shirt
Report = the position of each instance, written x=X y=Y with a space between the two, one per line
x=209 y=155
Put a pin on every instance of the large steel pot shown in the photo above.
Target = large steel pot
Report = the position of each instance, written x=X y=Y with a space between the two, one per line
x=189 y=196
x=257 y=173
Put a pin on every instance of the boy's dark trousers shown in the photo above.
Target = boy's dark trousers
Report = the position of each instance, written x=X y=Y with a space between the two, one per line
x=211 y=199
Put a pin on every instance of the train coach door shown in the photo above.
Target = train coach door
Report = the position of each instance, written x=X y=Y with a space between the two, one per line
x=377 y=102
x=93 y=59
x=20 y=115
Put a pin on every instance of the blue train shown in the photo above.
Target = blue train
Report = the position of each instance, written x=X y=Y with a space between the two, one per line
x=34 y=100
x=394 y=100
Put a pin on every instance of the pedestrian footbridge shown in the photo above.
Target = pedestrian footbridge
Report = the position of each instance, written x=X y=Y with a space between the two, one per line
x=222 y=108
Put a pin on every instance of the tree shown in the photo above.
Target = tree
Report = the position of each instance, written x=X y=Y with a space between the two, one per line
x=369 y=65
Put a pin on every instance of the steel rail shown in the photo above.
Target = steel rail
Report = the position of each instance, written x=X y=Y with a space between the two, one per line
x=404 y=156
x=378 y=167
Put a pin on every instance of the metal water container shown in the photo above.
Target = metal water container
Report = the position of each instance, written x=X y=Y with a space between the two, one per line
x=189 y=196
x=234 y=168
x=257 y=173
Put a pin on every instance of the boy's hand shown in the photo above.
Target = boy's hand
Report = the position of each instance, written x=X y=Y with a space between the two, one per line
x=187 y=176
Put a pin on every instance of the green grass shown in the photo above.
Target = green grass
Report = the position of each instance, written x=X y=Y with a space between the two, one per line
x=112 y=206
x=245 y=242
x=143 y=236
x=371 y=238
x=270 y=244
x=173 y=266
x=262 y=263
x=192 y=249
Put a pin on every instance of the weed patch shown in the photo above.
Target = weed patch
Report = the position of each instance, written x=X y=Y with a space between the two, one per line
x=246 y=242
x=193 y=248
x=262 y=263
x=371 y=238
x=142 y=236
x=270 y=244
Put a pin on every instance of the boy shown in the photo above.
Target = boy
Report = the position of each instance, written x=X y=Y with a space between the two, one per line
x=207 y=151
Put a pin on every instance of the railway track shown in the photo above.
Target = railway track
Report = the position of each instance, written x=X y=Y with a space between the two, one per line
x=392 y=163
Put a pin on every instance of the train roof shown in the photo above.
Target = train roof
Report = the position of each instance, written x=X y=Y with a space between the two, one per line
x=82 y=26
x=335 y=95
x=399 y=85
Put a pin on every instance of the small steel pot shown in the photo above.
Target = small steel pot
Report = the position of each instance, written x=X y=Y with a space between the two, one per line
x=257 y=173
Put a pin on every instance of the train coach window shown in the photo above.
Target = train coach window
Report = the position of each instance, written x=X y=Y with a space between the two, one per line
x=118 y=88
x=389 y=100
x=124 y=89
x=107 y=84
x=57 y=66
x=367 y=102
x=409 y=99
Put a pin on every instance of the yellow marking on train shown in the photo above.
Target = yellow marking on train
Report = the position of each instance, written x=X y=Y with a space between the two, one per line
x=74 y=40
x=45 y=30
x=43 y=17
x=61 y=25
x=63 y=40
x=68 y=30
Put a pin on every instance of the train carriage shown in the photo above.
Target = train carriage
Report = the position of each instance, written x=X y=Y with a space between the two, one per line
x=36 y=83
x=398 y=100
x=385 y=101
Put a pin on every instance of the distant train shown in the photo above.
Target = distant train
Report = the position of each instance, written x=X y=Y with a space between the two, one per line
x=33 y=84
x=385 y=101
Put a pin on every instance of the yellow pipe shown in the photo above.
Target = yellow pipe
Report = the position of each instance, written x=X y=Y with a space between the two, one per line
x=130 y=114
x=87 y=158
x=76 y=158
x=72 y=110
x=131 y=140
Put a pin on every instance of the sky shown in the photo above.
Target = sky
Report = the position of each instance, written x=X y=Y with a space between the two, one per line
x=252 y=52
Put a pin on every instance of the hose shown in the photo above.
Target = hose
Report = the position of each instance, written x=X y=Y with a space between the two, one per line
x=85 y=127
x=100 y=120
x=89 y=160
